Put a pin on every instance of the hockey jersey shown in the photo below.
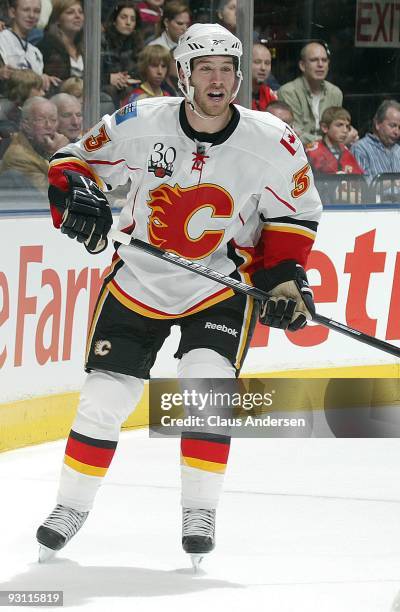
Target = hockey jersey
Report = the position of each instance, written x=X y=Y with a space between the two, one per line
x=323 y=160
x=263 y=97
x=233 y=201
x=19 y=53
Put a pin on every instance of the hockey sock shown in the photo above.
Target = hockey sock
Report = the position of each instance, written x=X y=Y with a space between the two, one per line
x=88 y=455
x=106 y=401
x=203 y=463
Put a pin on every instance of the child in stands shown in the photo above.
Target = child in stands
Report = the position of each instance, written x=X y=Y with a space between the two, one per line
x=153 y=65
x=330 y=154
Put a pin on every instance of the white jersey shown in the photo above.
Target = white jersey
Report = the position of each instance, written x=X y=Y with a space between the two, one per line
x=19 y=53
x=234 y=201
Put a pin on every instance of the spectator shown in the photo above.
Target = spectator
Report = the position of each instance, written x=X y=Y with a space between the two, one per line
x=150 y=13
x=282 y=110
x=171 y=82
x=379 y=151
x=24 y=84
x=330 y=155
x=15 y=50
x=62 y=43
x=73 y=86
x=262 y=94
x=37 y=33
x=21 y=85
x=153 y=65
x=31 y=148
x=121 y=43
x=310 y=94
x=226 y=14
x=69 y=111
x=47 y=7
x=174 y=23
x=4 y=18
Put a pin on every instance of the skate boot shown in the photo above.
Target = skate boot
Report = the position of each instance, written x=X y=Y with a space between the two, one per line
x=198 y=533
x=59 y=527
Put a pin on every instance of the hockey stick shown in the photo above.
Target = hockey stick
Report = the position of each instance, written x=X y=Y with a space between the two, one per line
x=240 y=287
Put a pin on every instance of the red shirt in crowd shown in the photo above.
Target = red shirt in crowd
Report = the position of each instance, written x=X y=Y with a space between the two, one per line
x=323 y=160
x=147 y=14
x=264 y=96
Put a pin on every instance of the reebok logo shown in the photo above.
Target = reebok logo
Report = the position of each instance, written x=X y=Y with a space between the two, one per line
x=223 y=328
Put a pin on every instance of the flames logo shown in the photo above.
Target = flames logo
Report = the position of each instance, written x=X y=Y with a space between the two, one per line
x=173 y=208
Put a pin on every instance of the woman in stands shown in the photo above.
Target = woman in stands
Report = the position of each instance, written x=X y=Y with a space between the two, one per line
x=174 y=23
x=226 y=14
x=62 y=43
x=121 y=43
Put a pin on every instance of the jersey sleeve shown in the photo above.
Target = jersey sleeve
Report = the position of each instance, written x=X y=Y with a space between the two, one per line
x=101 y=155
x=289 y=205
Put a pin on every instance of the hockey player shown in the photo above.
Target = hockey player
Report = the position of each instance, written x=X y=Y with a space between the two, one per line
x=212 y=182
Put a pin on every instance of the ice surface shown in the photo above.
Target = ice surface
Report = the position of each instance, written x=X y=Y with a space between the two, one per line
x=307 y=525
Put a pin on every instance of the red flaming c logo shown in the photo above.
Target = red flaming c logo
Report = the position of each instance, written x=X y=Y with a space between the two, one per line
x=173 y=208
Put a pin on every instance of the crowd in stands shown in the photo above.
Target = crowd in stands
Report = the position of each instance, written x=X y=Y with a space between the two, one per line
x=41 y=85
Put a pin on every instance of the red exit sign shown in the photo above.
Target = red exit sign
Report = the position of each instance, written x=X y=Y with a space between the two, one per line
x=377 y=23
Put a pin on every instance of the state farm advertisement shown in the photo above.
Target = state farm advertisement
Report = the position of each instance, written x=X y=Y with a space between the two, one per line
x=49 y=285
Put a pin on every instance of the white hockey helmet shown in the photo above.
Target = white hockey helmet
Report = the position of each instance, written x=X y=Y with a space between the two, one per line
x=203 y=39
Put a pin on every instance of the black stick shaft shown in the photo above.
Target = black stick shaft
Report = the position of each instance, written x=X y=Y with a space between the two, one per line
x=350 y=332
x=240 y=287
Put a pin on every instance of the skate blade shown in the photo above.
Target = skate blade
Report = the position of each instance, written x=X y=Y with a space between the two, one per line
x=196 y=559
x=45 y=554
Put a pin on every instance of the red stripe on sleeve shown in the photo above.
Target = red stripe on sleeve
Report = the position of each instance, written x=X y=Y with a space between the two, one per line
x=281 y=246
x=207 y=451
x=58 y=179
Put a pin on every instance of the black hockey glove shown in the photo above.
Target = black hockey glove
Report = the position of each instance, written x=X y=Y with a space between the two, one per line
x=291 y=302
x=87 y=216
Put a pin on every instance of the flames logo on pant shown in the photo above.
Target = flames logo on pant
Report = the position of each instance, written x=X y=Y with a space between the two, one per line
x=172 y=210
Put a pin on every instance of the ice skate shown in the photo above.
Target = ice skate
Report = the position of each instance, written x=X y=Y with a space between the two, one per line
x=57 y=530
x=198 y=533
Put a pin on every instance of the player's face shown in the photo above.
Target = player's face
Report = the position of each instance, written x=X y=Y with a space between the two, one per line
x=315 y=65
x=338 y=131
x=213 y=79
x=389 y=130
x=261 y=65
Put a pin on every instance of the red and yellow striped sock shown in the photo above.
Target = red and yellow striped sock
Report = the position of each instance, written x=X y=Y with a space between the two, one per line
x=88 y=455
x=205 y=451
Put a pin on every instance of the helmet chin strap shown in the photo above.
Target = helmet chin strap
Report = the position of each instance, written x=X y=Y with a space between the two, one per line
x=196 y=112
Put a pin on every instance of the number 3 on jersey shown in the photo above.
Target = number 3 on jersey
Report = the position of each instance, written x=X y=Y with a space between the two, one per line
x=301 y=181
x=94 y=142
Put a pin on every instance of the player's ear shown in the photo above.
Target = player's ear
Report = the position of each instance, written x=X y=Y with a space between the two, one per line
x=180 y=73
